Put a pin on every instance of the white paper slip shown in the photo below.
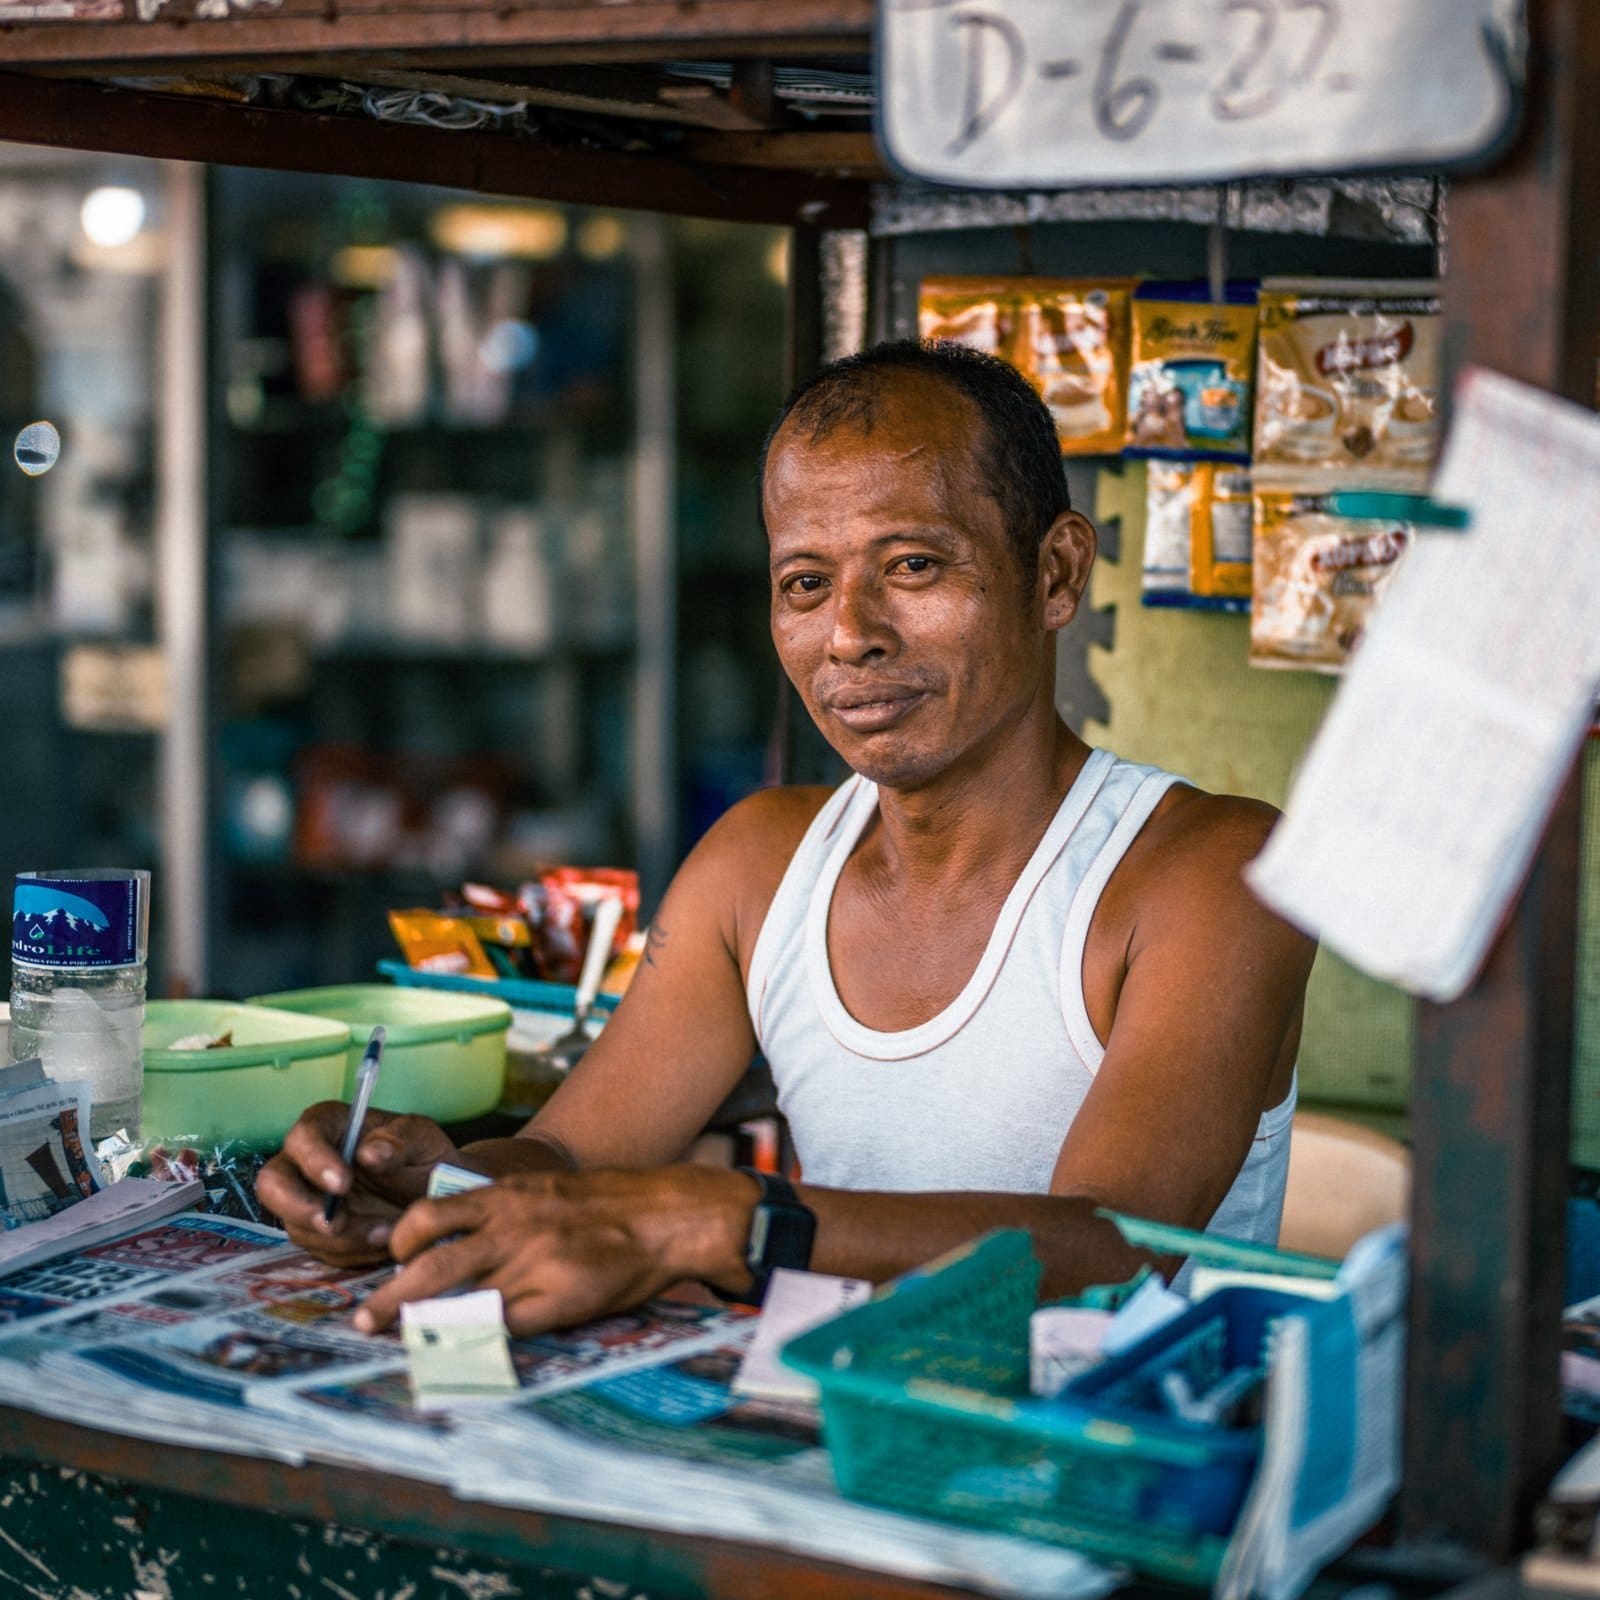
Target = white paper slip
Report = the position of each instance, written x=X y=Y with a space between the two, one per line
x=1420 y=804
x=796 y=1302
x=1145 y=1310
x=457 y=1348
x=1204 y=1281
x=446 y=1179
x=120 y=1208
x=1062 y=1342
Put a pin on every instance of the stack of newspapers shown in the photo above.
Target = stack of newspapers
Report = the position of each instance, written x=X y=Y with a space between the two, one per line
x=219 y=1334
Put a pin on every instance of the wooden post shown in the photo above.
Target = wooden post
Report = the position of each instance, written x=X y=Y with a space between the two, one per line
x=1491 y=1106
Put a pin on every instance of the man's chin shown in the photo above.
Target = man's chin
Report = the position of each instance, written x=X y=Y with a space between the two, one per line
x=891 y=763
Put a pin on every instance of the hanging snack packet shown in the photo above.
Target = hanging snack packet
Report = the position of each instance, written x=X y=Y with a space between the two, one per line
x=1171 y=488
x=977 y=312
x=1317 y=579
x=1347 y=383
x=1072 y=346
x=1191 y=372
x=1197 y=536
x=1221 y=538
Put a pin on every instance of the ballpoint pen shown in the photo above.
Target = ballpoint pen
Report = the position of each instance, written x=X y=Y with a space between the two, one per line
x=366 y=1082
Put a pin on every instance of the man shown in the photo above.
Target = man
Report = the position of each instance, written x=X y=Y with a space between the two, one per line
x=1001 y=979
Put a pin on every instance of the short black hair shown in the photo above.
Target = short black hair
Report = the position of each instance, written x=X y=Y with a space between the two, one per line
x=1019 y=458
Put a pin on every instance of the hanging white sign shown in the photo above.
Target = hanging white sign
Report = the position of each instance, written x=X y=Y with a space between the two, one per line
x=1042 y=94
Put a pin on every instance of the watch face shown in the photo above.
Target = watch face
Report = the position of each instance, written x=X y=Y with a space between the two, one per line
x=755 y=1254
x=780 y=1236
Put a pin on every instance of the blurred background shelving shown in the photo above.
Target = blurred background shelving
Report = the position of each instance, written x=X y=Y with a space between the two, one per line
x=452 y=627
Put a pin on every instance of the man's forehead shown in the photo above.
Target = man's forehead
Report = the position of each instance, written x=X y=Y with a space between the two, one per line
x=908 y=418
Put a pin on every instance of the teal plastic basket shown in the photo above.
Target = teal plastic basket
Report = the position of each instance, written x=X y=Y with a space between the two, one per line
x=926 y=1409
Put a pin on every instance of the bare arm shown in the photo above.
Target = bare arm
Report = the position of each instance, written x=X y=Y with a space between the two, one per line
x=1162 y=1133
x=662 y=1065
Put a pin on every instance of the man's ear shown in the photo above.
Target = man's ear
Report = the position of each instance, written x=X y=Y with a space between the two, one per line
x=1065 y=557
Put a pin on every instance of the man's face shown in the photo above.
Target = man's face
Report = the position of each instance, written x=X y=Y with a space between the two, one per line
x=898 y=607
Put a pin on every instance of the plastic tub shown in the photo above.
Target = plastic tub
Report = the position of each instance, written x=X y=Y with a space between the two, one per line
x=446 y=1053
x=278 y=1064
x=541 y=1013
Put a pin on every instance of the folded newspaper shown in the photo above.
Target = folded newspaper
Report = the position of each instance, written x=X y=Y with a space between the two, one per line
x=211 y=1328
x=44 y=1166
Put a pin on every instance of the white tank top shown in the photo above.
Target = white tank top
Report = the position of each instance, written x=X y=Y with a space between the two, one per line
x=979 y=1097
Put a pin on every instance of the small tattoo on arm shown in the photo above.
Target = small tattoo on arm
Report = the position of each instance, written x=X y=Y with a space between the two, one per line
x=655 y=943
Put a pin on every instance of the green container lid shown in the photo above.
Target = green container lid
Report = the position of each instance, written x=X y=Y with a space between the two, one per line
x=411 y=1016
x=261 y=1037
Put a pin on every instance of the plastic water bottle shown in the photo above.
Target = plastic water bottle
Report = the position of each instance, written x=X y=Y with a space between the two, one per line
x=78 y=945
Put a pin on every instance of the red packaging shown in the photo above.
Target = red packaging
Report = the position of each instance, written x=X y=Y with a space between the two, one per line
x=560 y=907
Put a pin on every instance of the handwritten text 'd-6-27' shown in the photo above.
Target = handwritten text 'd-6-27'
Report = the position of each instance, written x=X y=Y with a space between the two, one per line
x=1046 y=94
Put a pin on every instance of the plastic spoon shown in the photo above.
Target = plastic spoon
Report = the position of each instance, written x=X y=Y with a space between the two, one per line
x=564 y=1052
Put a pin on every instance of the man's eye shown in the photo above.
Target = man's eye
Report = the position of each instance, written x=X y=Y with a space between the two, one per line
x=915 y=564
x=804 y=583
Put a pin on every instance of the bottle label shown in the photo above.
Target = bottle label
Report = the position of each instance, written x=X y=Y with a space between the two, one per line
x=76 y=922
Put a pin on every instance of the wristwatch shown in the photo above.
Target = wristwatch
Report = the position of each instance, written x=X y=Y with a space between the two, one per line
x=782 y=1231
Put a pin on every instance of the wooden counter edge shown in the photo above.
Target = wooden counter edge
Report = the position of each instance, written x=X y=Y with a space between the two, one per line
x=428 y=1514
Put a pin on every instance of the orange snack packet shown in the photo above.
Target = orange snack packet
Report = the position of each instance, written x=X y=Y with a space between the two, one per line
x=432 y=942
x=976 y=312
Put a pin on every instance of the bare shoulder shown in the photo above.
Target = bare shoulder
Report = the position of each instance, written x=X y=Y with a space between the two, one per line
x=1208 y=830
x=1187 y=867
x=765 y=829
x=740 y=862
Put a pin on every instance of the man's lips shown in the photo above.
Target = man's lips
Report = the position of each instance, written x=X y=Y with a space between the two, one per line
x=872 y=710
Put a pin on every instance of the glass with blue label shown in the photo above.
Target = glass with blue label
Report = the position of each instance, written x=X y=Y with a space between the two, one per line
x=79 y=941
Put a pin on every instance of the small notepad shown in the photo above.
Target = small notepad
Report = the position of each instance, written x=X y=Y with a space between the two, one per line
x=457 y=1348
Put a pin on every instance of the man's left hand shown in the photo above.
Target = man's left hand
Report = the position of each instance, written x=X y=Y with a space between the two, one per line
x=563 y=1248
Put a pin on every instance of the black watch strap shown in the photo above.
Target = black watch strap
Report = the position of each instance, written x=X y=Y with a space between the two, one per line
x=783 y=1229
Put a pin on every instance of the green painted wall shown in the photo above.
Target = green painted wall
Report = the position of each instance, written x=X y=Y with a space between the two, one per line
x=1183 y=697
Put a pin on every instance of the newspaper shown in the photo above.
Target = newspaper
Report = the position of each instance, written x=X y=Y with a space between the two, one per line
x=44 y=1167
x=103 y=1215
x=1421 y=802
x=1331 y=1450
x=795 y=1302
x=208 y=1329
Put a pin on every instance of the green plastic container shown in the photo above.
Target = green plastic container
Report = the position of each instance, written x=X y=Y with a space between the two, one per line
x=254 y=1089
x=446 y=1053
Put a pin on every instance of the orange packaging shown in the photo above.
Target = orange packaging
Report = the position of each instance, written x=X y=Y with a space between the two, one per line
x=976 y=312
x=1072 y=345
x=1067 y=336
x=434 y=943
x=1220 y=550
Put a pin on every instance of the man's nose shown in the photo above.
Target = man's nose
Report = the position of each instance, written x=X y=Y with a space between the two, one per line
x=861 y=624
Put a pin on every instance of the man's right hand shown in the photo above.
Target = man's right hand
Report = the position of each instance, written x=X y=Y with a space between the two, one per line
x=392 y=1163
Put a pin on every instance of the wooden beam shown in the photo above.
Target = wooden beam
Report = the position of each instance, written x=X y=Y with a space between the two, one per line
x=842 y=155
x=536 y=30
x=1491 y=1104
x=711 y=106
x=74 y=115
x=510 y=87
